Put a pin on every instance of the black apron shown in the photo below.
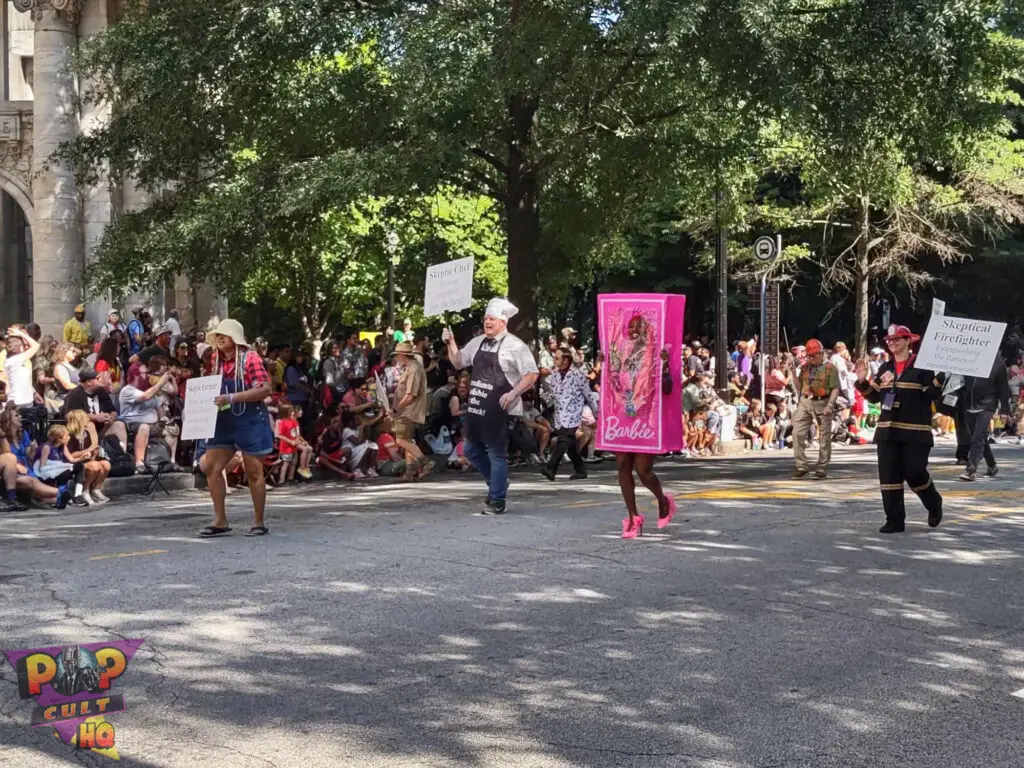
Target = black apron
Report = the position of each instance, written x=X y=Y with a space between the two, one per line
x=486 y=420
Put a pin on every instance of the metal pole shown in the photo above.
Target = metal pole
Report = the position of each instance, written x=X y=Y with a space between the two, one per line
x=721 y=301
x=391 y=292
x=764 y=325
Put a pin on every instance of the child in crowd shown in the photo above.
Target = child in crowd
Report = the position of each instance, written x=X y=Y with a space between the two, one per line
x=53 y=468
x=783 y=425
x=768 y=429
x=295 y=452
x=17 y=449
x=752 y=425
x=362 y=454
x=697 y=432
x=332 y=455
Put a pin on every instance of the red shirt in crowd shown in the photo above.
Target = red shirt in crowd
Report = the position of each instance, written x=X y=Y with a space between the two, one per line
x=288 y=428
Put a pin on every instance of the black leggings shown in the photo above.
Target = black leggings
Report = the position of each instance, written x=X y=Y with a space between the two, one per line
x=76 y=475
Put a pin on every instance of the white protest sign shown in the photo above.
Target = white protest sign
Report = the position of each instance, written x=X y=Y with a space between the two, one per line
x=199 y=416
x=449 y=287
x=381 y=394
x=961 y=346
x=938 y=307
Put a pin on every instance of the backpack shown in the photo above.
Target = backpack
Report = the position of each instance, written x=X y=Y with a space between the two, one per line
x=121 y=464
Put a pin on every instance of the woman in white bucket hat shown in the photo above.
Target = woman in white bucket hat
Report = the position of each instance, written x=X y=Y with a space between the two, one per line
x=242 y=425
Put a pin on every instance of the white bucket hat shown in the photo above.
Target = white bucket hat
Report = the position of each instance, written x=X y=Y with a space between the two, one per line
x=233 y=330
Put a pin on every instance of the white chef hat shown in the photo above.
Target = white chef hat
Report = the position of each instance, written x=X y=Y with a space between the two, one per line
x=502 y=309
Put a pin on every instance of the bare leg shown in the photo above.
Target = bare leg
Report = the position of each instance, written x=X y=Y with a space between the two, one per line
x=624 y=462
x=91 y=474
x=335 y=468
x=118 y=430
x=141 y=444
x=172 y=444
x=257 y=487
x=38 y=489
x=410 y=449
x=9 y=465
x=212 y=464
x=644 y=465
x=282 y=474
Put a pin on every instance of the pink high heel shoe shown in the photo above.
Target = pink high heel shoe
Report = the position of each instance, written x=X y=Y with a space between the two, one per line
x=637 y=529
x=672 y=509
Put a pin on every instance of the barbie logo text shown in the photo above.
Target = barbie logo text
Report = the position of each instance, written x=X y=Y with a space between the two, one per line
x=638 y=430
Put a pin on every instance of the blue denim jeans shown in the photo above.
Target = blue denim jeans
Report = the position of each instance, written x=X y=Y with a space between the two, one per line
x=491 y=461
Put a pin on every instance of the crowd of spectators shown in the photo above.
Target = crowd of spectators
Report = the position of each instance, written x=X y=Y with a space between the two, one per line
x=87 y=406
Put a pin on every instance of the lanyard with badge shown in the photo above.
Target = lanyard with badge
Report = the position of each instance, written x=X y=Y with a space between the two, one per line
x=890 y=397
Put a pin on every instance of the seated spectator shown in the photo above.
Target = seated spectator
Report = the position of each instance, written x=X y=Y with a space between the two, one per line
x=752 y=423
x=534 y=421
x=295 y=452
x=108 y=365
x=783 y=426
x=390 y=459
x=140 y=411
x=65 y=370
x=17 y=457
x=90 y=396
x=737 y=390
x=357 y=400
x=362 y=454
x=769 y=426
x=697 y=432
x=54 y=467
x=332 y=454
x=83 y=448
x=586 y=434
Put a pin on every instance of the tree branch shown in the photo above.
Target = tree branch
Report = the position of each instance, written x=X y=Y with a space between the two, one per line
x=490 y=159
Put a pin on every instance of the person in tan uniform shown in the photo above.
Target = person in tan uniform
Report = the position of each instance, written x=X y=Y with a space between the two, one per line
x=819 y=387
x=410 y=411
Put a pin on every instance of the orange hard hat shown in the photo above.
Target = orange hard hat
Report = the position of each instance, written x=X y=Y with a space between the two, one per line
x=813 y=347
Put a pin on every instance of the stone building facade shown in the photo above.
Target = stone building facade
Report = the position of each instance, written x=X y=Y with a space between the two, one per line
x=49 y=224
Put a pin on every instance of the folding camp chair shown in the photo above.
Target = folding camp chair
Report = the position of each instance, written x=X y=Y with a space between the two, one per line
x=158 y=461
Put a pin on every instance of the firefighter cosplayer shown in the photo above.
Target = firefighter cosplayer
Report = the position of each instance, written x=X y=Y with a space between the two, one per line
x=904 y=431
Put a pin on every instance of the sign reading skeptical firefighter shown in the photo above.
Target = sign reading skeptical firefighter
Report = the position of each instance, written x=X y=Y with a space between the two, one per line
x=958 y=345
x=449 y=287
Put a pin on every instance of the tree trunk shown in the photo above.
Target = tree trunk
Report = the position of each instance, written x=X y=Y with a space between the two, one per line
x=522 y=217
x=862 y=283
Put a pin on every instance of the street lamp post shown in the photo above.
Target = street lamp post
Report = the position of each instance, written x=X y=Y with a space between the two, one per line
x=721 y=299
x=391 y=249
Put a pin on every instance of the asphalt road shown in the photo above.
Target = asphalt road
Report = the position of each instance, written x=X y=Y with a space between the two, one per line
x=770 y=626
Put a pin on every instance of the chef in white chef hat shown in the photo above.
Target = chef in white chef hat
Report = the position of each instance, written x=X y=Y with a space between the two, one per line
x=503 y=369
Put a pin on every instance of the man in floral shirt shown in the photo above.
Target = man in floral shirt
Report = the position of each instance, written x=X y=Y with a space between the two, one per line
x=353 y=360
x=571 y=391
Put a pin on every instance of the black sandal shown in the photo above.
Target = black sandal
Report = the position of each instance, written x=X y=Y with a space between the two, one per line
x=258 y=530
x=213 y=530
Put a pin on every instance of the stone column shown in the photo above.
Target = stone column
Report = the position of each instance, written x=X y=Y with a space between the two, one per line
x=57 y=230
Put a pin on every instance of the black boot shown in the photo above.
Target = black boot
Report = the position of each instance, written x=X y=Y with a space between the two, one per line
x=892 y=527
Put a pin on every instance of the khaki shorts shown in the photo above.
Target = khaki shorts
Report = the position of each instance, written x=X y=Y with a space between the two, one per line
x=403 y=429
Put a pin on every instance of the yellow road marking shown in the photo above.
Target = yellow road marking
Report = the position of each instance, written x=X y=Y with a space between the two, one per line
x=582 y=504
x=131 y=554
